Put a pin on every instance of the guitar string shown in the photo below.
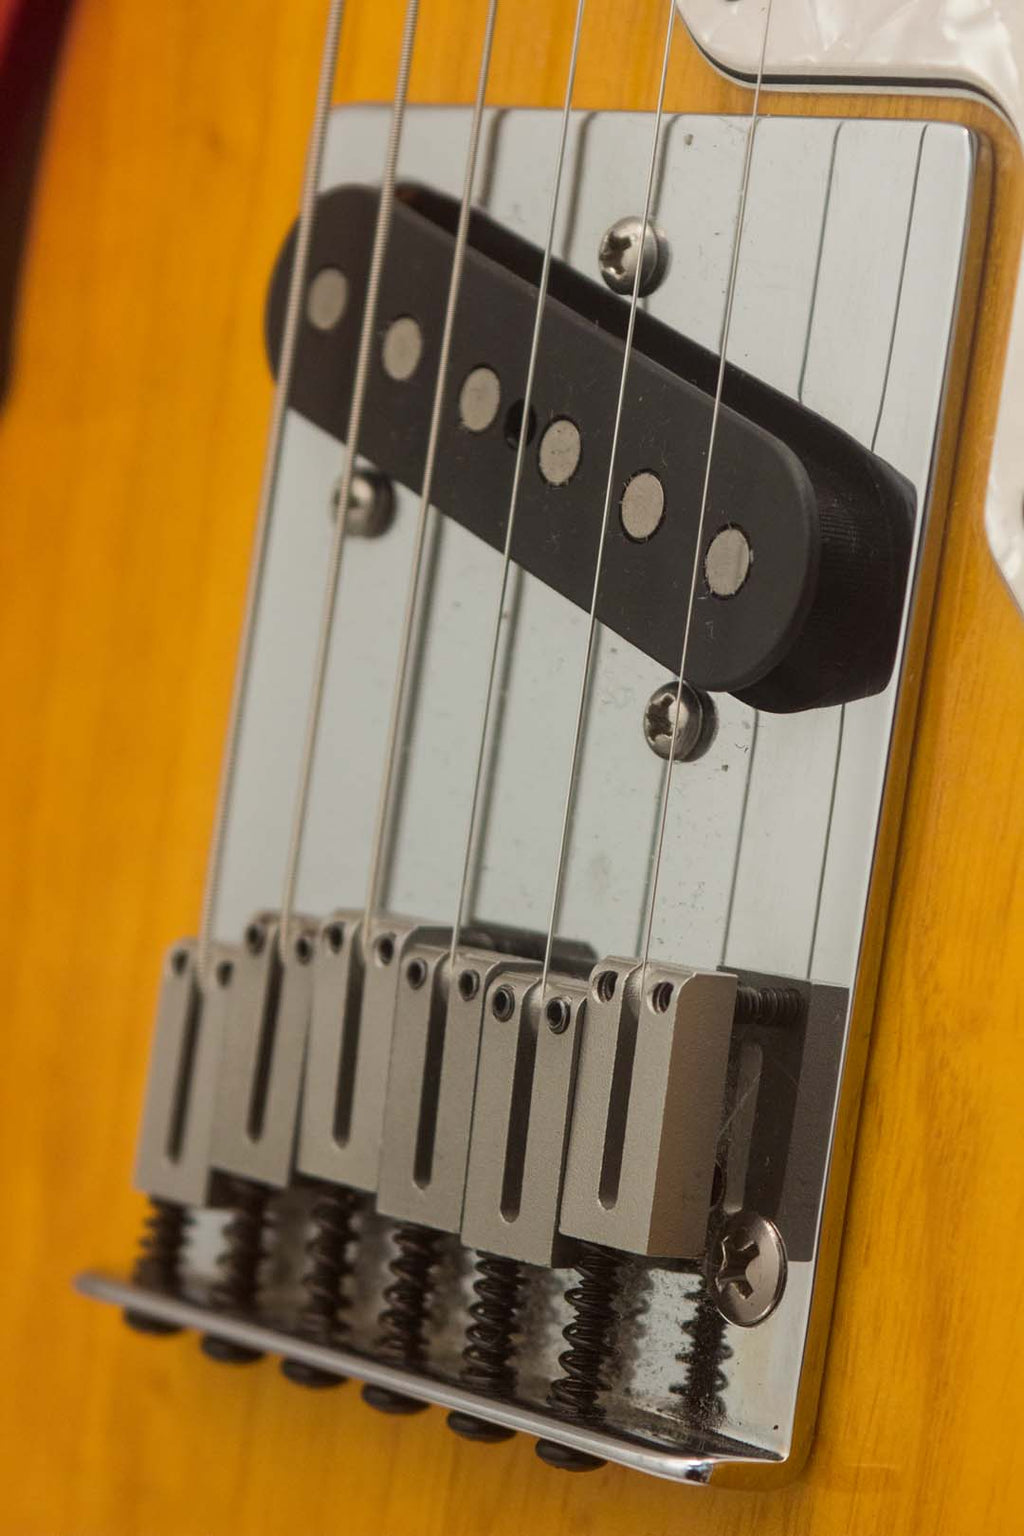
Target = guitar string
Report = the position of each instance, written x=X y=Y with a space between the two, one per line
x=756 y=726
x=531 y=369
x=268 y=482
x=440 y=394
x=518 y=579
x=840 y=735
x=587 y=669
x=381 y=235
x=748 y=159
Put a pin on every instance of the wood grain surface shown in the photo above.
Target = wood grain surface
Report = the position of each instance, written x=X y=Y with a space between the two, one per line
x=129 y=460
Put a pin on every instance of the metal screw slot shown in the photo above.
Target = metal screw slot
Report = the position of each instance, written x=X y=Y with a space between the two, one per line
x=642 y=506
x=728 y=561
x=749 y=1273
x=334 y=936
x=416 y=973
x=620 y=250
x=695 y=720
x=384 y=949
x=605 y=986
x=327 y=298
x=479 y=399
x=503 y=1004
x=224 y=973
x=558 y=1014
x=402 y=349
x=255 y=938
x=303 y=949
x=179 y=962
x=661 y=996
x=469 y=985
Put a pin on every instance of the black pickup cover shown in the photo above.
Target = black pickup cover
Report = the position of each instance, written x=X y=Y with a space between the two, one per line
x=828 y=522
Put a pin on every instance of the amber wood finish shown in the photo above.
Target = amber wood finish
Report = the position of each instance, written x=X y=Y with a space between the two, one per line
x=129 y=461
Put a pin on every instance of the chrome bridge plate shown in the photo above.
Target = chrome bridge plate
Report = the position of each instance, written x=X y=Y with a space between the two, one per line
x=848 y=289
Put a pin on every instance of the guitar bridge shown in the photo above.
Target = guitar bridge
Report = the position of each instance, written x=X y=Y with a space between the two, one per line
x=563 y=1148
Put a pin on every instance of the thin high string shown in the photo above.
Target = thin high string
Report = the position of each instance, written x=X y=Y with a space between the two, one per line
x=570 y=797
x=840 y=736
x=381 y=235
x=398 y=702
x=517 y=474
x=268 y=483
x=737 y=242
x=755 y=730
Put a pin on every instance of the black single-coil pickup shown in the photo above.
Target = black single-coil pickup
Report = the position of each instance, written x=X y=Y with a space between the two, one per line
x=813 y=531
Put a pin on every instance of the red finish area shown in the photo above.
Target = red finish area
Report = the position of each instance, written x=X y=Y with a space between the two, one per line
x=7 y=12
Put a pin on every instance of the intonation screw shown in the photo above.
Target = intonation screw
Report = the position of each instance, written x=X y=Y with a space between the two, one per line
x=489 y=1354
x=769 y=1005
x=236 y=1291
x=748 y=1269
x=327 y=1251
x=619 y=252
x=158 y=1265
x=402 y=1322
x=591 y=1340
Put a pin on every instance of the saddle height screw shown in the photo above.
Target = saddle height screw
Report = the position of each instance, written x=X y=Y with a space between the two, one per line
x=489 y=1353
x=748 y=1270
x=235 y=1292
x=619 y=253
x=704 y=1356
x=158 y=1265
x=591 y=1340
x=320 y=1320
x=404 y=1318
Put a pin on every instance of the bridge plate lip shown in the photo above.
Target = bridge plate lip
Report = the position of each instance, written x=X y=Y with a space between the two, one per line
x=675 y=1466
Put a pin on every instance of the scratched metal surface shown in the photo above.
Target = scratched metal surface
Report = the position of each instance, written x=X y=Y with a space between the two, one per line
x=847 y=284
x=652 y=1365
x=847 y=289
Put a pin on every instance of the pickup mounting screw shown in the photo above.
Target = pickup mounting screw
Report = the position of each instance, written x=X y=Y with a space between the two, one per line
x=371 y=504
x=748 y=1274
x=696 y=722
x=620 y=250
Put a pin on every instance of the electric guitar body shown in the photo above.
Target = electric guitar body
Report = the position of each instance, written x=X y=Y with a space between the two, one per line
x=131 y=440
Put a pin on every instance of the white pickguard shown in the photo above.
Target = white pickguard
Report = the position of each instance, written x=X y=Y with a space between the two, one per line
x=977 y=45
